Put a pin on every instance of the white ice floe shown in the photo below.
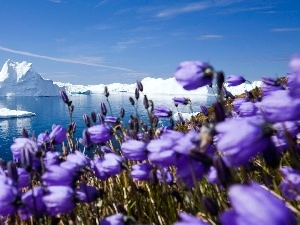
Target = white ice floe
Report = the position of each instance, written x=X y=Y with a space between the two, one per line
x=8 y=113
x=185 y=116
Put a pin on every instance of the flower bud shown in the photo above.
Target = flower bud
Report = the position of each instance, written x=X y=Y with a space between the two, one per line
x=94 y=117
x=25 y=133
x=210 y=206
x=137 y=94
x=12 y=171
x=106 y=93
x=139 y=85
x=65 y=98
x=131 y=100
x=103 y=108
x=122 y=112
x=87 y=120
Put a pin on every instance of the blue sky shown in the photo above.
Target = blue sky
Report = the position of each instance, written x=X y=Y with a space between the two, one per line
x=107 y=41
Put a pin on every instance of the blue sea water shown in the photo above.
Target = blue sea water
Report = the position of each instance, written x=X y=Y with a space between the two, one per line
x=52 y=110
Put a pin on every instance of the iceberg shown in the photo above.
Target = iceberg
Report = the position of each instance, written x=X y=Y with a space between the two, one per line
x=19 y=79
x=8 y=113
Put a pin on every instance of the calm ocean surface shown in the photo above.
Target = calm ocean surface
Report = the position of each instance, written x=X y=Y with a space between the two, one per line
x=52 y=110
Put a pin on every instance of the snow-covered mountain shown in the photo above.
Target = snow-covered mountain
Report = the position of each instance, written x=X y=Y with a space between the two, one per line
x=19 y=79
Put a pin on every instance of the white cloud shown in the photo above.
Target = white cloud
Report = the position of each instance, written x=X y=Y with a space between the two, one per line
x=285 y=29
x=192 y=7
x=210 y=36
x=66 y=60
x=56 y=1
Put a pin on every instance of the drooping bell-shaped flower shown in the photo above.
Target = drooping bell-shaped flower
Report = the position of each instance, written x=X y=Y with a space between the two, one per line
x=58 y=134
x=247 y=208
x=9 y=197
x=181 y=100
x=187 y=219
x=107 y=166
x=134 y=150
x=237 y=103
x=162 y=111
x=78 y=158
x=59 y=199
x=86 y=193
x=58 y=175
x=99 y=133
x=116 y=219
x=242 y=139
x=247 y=109
x=164 y=175
x=290 y=186
x=32 y=203
x=193 y=74
x=23 y=178
x=141 y=171
x=235 y=80
x=19 y=144
x=51 y=158
x=279 y=106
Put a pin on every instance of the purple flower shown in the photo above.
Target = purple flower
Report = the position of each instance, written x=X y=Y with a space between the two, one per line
x=116 y=219
x=58 y=134
x=242 y=139
x=181 y=100
x=51 y=158
x=23 y=178
x=247 y=208
x=134 y=150
x=162 y=111
x=164 y=175
x=204 y=109
x=185 y=143
x=57 y=175
x=294 y=63
x=65 y=98
x=279 y=106
x=187 y=219
x=141 y=171
x=87 y=193
x=103 y=108
x=247 y=109
x=8 y=195
x=99 y=133
x=59 y=199
x=235 y=80
x=161 y=152
x=237 y=103
x=19 y=144
x=109 y=165
x=189 y=171
x=290 y=186
x=42 y=139
x=193 y=74
x=78 y=158
x=110 y=119
x=32 y=203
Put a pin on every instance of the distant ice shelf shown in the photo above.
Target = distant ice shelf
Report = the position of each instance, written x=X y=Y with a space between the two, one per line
x=8 y=113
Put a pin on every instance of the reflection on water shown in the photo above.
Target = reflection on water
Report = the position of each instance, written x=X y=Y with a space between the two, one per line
x=52 y=110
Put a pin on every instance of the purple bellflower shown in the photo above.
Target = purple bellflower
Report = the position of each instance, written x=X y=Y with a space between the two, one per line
x=86 y=193
x=58 y=134
x=78 y=158
x=51 y=158
x=204 y=109
x=181 y=100
x=116 y=219
x=279 y=106
x=242 y=139
x=235 y=80
x=237 y=103
x=194 y=74
x=290 y=186
x=99 y=133
x=162 y=111
x=247 y=208
x=161 y=153
x=164 y=175
x=247 y=109
x=189 y=171
x=107 y=166
x=58 y=175
x=110 y=119
x=141 y=171
x=9 y=196
x=32 y=203
x=59 y=199
x=19 y=144
x=134 y=150
x=187 y=219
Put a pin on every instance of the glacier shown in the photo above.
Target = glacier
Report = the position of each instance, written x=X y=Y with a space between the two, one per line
x=9 y=113
x=19 y=79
